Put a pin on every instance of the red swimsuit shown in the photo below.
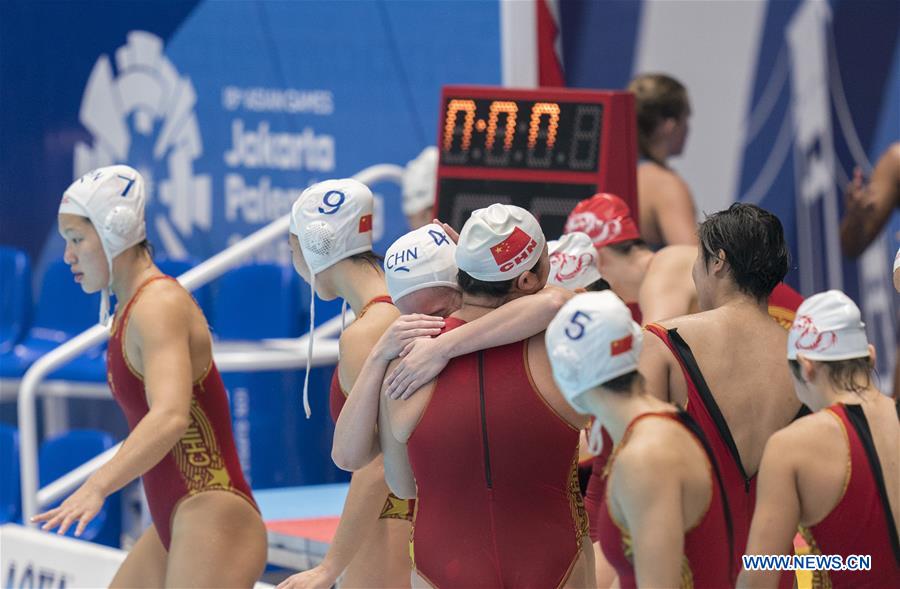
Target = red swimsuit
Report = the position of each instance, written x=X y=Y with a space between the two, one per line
x=498 y=503
x=394 y=507
x=707 y=561
x=596 y=487
x=862 y=522
x=204 y=459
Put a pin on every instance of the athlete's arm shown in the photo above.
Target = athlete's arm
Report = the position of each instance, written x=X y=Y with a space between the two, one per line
x=674 y=210
x=514 y=321
x=355 y=436
x=654 y=366
x=397 y=469
x=368 y=491
x=777 y=511
x=648 y=491
x=668 y=290
x=869 y=207
x=159 y=325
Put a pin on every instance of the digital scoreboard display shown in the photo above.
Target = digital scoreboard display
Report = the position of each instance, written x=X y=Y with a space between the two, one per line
x=526 y=134
x=543 y=150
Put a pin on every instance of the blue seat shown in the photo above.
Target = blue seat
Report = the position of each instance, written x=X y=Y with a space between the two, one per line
x=15 y=296
x=63 y=310
x=257 y=301
x=66 y=452
x=10 y=492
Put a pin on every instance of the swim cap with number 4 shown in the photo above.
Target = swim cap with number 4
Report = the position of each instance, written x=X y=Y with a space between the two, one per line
x=423 y=258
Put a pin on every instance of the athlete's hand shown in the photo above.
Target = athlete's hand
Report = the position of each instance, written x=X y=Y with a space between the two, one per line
x=319 y=577
x=81 y=506
x=404 y=330
x=897 y=271
x=858 y=196
x=450 y=231
x=423 y=359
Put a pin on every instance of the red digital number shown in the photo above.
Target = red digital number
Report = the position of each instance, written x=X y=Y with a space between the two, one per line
x=551 y=109
x=455 y=106
x=511 y=110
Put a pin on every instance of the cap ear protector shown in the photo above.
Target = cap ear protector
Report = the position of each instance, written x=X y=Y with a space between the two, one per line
x=319 y=238
x=121 y=221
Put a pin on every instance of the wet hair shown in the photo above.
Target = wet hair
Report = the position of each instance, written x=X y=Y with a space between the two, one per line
x=483 y=288
x=657 y=97
x=753 y=241
x=369 y=257
x=853 y=375
x=622 y=384
x=624 y=247
x=147 y=247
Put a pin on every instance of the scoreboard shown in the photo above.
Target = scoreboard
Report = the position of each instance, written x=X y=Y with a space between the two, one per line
x=543 y=150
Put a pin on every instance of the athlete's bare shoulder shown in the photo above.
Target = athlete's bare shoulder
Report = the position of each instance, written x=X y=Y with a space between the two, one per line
x=689 y=322
x=662 y=177
x=371 y=325
x=162 y=303
x=656 y=449
x=673 y=260
x=359 y=338
x=806 y=437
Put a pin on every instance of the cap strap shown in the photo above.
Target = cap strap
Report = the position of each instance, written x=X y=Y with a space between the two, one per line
x=309 y=347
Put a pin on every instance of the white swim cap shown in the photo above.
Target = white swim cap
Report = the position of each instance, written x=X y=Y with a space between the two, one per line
x=420 y=181
x=113 y=199
x=573 y=261
x=422 y=258
x=332 y=221
x=591 y=340
x=828 y=327
x=499 y=243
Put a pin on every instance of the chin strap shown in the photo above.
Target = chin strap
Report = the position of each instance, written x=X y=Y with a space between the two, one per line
x=309 y=348
x=104 y=306
x=595 y=439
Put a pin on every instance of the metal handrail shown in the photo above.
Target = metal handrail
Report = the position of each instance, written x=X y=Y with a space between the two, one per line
x=191 y=280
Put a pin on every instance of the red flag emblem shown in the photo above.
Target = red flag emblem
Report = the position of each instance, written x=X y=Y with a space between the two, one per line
x=365 y=223
x=510 y=247
x=620 y=346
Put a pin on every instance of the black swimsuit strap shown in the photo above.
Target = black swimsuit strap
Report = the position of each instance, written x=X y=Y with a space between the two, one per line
x=857 y=418
x=687 y=421
x=686 y=356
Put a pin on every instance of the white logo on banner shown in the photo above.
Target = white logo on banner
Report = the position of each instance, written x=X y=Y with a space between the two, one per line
x=145 y=101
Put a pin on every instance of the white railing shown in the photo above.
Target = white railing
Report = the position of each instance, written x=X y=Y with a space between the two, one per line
x=284 y=355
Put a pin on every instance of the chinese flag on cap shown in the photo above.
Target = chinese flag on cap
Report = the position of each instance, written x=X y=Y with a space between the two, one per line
x=510 y=247
x=365 y=223
x=620 y=346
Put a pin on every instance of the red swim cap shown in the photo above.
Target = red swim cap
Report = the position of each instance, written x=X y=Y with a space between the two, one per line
x=605 y=217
